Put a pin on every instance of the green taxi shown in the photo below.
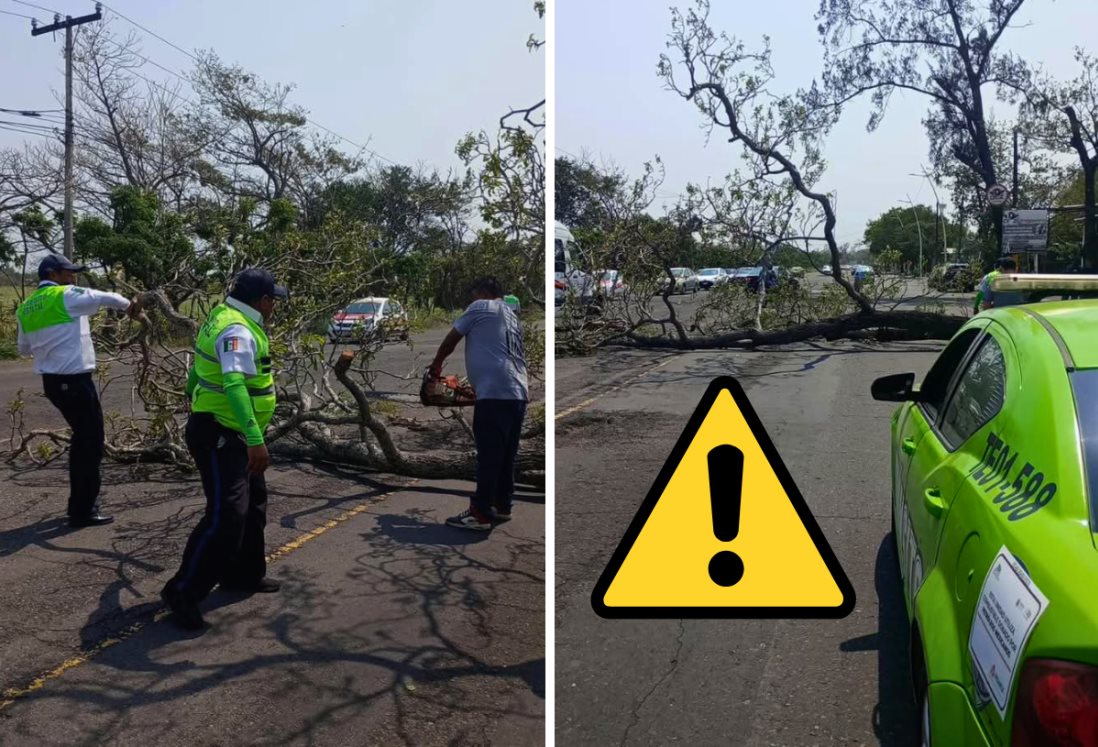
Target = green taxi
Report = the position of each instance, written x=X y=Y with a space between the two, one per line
x=995 y=514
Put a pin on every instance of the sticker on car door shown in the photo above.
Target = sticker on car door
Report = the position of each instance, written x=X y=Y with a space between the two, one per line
x=1007 y=611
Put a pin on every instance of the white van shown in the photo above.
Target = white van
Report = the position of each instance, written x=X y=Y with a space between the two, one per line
x=567 y=277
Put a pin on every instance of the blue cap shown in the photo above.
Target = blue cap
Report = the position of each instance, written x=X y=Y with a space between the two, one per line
x=254 y=283
x=54 y=263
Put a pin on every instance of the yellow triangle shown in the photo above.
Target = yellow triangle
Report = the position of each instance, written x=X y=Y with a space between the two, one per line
x=661 y=568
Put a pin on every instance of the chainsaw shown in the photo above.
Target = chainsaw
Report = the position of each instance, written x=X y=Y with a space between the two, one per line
x=446 y=391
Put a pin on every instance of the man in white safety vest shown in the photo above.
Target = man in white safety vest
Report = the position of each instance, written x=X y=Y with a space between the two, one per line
x=53 y=327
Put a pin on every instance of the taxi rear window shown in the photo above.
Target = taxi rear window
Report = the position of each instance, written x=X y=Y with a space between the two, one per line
x=1085 y=386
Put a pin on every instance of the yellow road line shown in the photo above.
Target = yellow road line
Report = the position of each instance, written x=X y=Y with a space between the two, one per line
x=11 y=695
x=591 y=400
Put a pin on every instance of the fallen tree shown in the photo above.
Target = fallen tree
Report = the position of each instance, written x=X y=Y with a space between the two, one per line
x=890 y=325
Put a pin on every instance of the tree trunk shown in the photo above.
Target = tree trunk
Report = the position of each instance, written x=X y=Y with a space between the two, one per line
x=908 y=325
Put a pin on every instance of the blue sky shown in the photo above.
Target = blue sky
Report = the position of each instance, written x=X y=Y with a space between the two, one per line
x=611 y=106
x=409 y=77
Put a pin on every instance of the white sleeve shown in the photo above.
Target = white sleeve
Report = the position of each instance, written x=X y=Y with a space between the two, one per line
x=236 y=350
x=85 y=301
x=24 y=343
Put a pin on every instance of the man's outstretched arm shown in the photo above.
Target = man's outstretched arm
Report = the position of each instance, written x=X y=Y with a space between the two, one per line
x=449 y=344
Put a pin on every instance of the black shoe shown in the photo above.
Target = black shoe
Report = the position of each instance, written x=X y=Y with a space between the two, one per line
x=263 y=586
x=501 y=517
x=186 y=613
x=91 y=520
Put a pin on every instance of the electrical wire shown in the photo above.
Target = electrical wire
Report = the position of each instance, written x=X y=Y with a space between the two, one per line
x=30 y=112
x=22 y=131
x=149 y=31
x=314 y=123
x=19 y=15
x=38 y=7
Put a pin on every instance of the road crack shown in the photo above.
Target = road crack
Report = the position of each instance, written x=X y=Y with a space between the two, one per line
x=674 y=664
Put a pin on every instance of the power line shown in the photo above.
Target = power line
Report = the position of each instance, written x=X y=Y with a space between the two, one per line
x=18 y=15
x=38 y=7
x=149 y=31
x=29 y=112
x=26 y=124
x=23 y=131
x=314 y=123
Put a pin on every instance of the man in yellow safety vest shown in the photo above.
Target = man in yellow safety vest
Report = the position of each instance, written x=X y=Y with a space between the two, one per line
x=53 y=327
x=232 y=392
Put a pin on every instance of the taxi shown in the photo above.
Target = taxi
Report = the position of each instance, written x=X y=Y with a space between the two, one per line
x=995 y=512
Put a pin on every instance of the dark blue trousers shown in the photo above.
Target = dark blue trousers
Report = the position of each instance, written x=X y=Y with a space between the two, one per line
x=497 y=424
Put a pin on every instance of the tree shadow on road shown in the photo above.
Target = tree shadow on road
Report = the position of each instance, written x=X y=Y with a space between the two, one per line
x=422 y=638
x=895 y=721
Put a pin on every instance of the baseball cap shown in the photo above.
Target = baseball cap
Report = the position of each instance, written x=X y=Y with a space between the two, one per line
x=54 y=263
x=255 y=282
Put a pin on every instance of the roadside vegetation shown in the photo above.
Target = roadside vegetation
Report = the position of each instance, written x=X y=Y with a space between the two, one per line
x=180 y=187
x=773 y=209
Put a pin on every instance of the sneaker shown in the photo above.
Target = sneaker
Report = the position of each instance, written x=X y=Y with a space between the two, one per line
x=262 y=586
x=185 y=612
x=470 y=519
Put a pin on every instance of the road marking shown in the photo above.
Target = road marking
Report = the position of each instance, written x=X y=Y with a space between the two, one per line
x=10 y=695
x=590 y=400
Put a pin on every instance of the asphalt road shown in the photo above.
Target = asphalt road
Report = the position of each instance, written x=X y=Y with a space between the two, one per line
x=391 y=628
x=751 y=682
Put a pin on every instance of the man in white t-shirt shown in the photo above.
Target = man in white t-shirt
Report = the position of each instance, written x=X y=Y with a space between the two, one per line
x=496 y=365
x=53 y=327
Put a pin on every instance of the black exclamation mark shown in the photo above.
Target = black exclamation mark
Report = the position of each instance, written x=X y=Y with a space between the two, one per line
x=725 y=490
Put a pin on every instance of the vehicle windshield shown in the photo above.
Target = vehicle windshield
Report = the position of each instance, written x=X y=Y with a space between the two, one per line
x=1085 y=386
x=363 y=308
x=710 y=271
x=561 y=265
x=680 y=271
x=749 y=271
x=610 y=275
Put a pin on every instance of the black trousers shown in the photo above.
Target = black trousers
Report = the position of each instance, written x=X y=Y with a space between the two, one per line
x=497 y=424
x=77 y=398
x=227 y=545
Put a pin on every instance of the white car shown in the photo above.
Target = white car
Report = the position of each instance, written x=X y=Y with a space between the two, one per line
x=711 y=277
x=686 y=280
x=364 y=317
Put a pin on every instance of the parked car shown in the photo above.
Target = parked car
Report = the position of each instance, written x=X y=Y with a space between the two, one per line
x=685 y=280
x=956 y=277
x=748 y=277
x=861 y=273
x=825 y=270
x=367 y=317
x=711 y=277
x=994 y=503
x=610 y=283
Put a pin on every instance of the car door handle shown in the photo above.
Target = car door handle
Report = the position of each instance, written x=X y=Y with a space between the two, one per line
x=908 y=445
x=932 y=499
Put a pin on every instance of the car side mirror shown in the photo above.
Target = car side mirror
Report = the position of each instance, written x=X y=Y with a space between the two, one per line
x=895 y=388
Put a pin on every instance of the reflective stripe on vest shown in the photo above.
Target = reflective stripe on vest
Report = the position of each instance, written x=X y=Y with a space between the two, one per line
x=45 y=308
x=209 y=394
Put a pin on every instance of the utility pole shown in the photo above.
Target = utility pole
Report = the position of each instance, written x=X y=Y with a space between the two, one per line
x=68 y=24
x=1014 y=182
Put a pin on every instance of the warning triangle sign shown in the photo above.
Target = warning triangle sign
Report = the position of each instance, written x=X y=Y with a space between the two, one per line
x=724 y=532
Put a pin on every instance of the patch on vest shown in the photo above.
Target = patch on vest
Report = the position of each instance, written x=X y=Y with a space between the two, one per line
x=232 y=344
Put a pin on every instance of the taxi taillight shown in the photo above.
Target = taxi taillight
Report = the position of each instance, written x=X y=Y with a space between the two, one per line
x=1056 y=705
